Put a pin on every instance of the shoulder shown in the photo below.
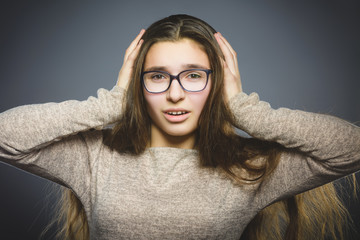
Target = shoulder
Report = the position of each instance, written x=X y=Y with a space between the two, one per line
x=96 y=138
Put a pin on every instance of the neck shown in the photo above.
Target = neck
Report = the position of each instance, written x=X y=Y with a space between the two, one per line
x=162 y=139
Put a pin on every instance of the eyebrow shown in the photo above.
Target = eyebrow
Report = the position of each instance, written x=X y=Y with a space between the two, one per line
x=184 y=67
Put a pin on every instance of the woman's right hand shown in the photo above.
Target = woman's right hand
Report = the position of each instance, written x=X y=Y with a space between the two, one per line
x=128 y=64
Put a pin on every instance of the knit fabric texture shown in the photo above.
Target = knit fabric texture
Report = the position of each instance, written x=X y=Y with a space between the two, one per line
x=163 y=193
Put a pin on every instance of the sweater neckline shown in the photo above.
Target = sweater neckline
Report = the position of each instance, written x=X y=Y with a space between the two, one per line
x=171 y=149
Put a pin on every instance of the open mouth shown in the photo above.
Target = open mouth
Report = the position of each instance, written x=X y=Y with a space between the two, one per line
x=178 y=113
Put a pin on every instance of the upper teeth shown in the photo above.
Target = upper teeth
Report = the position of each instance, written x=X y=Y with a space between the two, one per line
x=176 y=113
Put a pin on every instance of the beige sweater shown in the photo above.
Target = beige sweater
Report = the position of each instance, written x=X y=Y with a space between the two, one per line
x=163 y=193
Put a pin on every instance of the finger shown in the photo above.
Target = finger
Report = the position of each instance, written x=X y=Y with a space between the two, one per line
x=133 y=44
x=135 y=52
x=129 y=62
x=227 y=44
x=131 y=56
x=231 y=82
x=128 y=65
x=224 y=45
x=234 y=66
x=227 y=70
x=229 y=54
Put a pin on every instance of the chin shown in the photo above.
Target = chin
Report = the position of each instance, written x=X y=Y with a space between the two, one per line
x=180 y=131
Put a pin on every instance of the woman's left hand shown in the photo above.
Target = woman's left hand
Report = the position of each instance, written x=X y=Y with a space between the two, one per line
x=232 y=81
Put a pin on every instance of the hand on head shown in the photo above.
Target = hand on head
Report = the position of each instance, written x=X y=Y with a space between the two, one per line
x=129 y=58
x=232 y=80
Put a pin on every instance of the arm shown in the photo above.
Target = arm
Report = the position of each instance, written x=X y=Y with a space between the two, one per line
x=29 y=128
x=319 y=136
x=52 y=140
x=54 y=137
x=318 y=148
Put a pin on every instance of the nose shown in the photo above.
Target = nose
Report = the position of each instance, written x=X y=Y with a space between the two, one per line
x=175 y=93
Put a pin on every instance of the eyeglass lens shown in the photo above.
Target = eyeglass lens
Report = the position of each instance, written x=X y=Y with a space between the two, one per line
x=191 y=80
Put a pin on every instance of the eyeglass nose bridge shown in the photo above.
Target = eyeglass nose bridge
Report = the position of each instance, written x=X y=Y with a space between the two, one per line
x=177 y=77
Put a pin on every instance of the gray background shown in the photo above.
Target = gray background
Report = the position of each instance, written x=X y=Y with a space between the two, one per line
x=302 y=55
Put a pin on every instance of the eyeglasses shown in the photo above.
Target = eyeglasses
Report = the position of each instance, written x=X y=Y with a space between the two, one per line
x=191 y=80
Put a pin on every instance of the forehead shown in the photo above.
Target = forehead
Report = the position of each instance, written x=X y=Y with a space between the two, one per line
x=175 y=56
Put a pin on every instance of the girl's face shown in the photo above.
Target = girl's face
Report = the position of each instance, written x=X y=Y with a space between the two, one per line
x=175 y=113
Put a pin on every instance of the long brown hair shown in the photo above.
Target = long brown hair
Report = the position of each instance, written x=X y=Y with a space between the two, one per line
x=219 y=147
x=216 y=140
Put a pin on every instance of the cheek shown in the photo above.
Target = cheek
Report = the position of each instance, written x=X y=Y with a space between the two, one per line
x=152 y=101
x=200 y=99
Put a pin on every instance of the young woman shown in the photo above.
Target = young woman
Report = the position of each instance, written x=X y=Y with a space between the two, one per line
x=172 y=166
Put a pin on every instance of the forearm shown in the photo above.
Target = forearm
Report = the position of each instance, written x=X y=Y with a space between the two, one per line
x=319 y=136
x=26 y=128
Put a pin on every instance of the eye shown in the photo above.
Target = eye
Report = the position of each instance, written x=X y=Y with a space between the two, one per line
x=194 y=75
x=157 y=76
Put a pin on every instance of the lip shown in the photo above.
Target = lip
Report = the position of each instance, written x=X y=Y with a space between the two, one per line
x=176 y=118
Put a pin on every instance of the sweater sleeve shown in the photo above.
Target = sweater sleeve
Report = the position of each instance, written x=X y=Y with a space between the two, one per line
x=318 y=148
x=54 y=140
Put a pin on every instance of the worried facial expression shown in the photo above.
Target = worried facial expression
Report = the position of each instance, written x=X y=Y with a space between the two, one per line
x=176 y=112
